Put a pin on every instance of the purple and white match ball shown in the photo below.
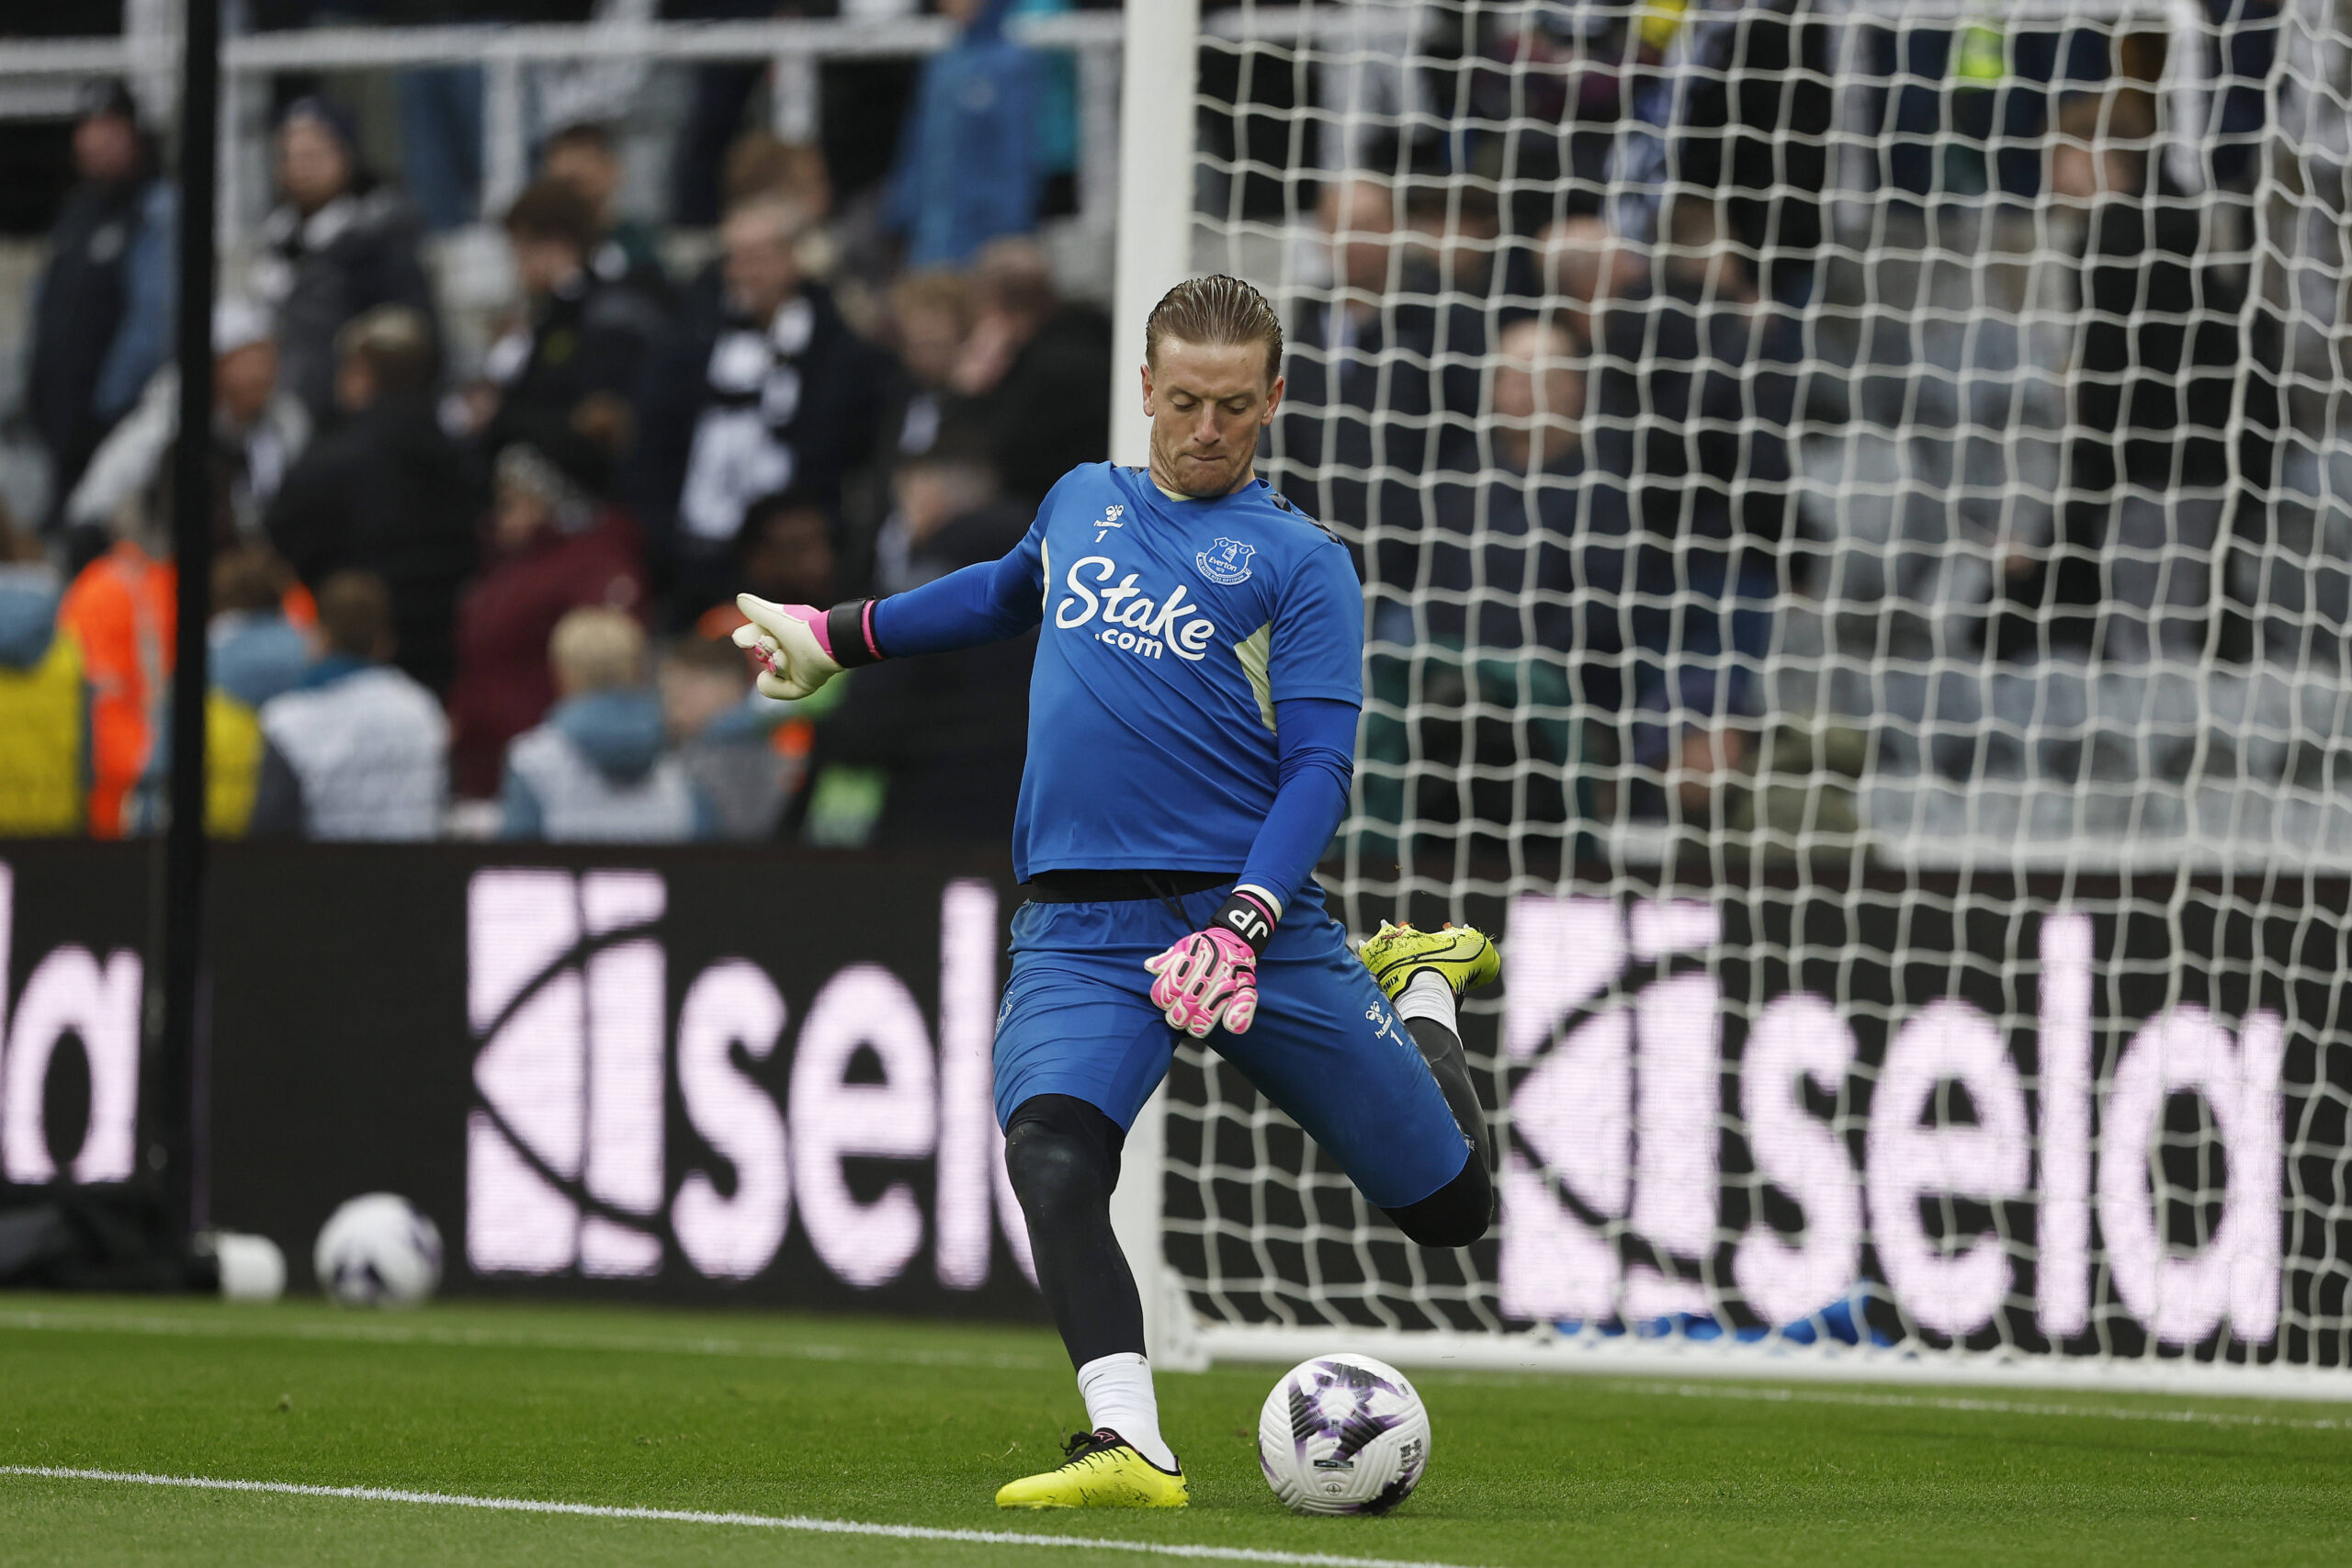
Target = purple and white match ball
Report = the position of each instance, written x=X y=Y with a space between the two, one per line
x=1344 y=1434
x=376 y=1250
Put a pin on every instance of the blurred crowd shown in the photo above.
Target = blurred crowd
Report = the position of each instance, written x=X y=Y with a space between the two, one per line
x=1553 y=382
x=1594 y=376
x=500 y=603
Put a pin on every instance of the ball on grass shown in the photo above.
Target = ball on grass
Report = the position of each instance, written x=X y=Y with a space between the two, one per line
x=1344 y=1434
x=377 y=1250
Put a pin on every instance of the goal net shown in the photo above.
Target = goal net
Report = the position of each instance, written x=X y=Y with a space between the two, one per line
x=1857 y=537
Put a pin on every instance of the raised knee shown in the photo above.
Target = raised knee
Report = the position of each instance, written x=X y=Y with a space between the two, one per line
x=1456 y=1215
x=1459 y=1230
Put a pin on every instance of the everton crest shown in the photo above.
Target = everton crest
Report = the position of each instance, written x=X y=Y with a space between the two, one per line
x=1226 y=561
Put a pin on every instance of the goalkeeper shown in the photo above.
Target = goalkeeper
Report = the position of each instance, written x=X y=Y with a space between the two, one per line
x=1191 y=731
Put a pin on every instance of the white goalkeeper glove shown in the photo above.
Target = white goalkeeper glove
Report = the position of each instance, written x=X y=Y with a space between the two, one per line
x=792 y=641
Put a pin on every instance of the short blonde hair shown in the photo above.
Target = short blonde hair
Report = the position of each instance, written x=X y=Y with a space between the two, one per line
x=1216 y=311
x=597 y=649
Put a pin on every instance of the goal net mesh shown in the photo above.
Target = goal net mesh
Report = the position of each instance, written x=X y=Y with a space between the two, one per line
x=1857 y=547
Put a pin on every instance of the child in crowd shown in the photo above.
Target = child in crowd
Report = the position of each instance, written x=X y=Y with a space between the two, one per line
x=599 y=769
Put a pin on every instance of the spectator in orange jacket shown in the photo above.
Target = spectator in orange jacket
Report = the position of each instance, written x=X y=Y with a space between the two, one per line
x=121 y=611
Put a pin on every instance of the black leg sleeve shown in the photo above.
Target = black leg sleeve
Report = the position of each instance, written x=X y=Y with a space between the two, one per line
x=1441 y=1049
x=1455 y=1214
x=1459 y=1211
x=1063 y=1157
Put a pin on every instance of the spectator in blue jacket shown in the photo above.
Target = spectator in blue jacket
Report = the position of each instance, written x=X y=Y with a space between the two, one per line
x=967 y=170
x=599 y=769
x=258 y=652
x=101 y=318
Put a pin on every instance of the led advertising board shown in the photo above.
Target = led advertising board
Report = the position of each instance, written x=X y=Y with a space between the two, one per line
x=2076 y=1118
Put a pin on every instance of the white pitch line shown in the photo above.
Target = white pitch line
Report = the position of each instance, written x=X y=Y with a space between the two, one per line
x=1991 y=1407
x=750 y=1521
x=505 y=1340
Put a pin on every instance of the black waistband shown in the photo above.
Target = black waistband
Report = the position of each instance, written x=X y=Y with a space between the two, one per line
x=1119 y=886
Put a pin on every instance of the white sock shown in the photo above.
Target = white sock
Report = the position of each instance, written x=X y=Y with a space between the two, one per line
x=1119 y=1399
x=1428 y=996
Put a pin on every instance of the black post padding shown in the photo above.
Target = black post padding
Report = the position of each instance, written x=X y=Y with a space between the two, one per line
x=175 y=1028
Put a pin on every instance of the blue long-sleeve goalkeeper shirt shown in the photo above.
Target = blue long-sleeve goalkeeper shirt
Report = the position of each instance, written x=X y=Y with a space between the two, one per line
x=1199 y=675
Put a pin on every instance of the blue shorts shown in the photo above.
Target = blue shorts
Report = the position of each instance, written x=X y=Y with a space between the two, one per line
x=1326 y=1048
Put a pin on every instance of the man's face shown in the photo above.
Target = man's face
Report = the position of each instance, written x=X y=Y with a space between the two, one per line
x=2085 y=173
x=541 y=263
x=243 y=379
x=517 y=518
x=1357 y=216
x=586 y=169
x=790 y=559
x=1207 y=403
x=2095 y=154
x=931 y=339
x=933 y=491
x=1585 y=259
x=106 y=148
x=1536 y=375
x=354 y=384
x=1539 y=393
x=762 y=272
x=312 y=165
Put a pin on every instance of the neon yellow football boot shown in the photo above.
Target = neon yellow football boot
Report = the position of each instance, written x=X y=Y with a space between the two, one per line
x=1101 y=1472
x=1464 y=956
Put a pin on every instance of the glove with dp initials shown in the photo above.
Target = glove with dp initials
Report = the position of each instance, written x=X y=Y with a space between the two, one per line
x=803 y=647
x=1211 y=976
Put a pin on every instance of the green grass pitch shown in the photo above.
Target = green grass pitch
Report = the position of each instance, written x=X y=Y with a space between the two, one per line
x=912 y=1424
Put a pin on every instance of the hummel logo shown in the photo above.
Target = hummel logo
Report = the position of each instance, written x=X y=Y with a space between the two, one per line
x=1111 y=516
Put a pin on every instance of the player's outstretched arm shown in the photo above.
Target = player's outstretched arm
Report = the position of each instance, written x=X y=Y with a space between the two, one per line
x=804 y=647
x=987 y=602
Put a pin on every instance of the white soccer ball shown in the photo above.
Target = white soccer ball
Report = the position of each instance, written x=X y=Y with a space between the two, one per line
x=376 y=1250
x=1344 y=1434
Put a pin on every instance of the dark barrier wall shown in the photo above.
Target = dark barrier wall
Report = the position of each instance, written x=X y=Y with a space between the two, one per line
x=2098 y=1117
x=692 y=1076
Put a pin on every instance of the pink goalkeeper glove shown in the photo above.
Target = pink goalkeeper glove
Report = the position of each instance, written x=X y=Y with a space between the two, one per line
x=792 y=645
x=1211 y=976
x=800 y=646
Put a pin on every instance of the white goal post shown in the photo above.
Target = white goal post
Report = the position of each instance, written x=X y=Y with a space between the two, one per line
x=1857 y=524
x=1155 y=242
